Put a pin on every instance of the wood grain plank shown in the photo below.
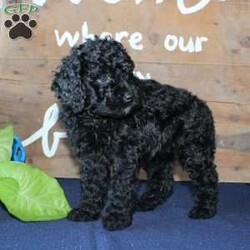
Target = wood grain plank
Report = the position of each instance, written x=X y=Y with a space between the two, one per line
x=232 y=167
x=214 y=84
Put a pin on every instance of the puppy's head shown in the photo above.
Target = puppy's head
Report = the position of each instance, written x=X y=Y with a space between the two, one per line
x=97 y=76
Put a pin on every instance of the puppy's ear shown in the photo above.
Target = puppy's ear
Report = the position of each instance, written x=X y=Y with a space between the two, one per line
x=67 y=83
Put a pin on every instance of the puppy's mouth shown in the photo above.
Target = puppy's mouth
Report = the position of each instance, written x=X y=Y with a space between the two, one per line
x=104 y=111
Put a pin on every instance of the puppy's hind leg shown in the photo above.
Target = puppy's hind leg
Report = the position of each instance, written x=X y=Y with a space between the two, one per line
x=203 y=174
x=160 y=182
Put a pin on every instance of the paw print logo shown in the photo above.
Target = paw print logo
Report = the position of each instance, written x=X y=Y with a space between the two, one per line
x=20 y=26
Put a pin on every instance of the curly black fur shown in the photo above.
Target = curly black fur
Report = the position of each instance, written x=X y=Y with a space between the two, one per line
x=117 y=123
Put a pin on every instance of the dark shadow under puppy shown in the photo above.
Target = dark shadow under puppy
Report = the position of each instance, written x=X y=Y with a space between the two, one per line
x=117 y=123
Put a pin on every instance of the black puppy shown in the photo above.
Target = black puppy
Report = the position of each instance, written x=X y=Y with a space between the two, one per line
x=118 y=123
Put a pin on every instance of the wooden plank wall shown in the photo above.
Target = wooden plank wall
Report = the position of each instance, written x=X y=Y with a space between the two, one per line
x=219 y=73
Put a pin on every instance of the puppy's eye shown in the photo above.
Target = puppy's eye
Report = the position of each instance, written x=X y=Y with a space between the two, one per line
x=103 y=80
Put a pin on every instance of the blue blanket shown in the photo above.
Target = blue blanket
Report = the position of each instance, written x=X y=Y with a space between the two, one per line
x=167 y=227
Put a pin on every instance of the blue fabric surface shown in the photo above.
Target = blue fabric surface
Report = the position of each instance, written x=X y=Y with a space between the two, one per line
x=167 y=227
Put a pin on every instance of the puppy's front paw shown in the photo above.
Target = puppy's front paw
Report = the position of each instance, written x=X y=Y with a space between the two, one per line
x=79 y=214
x=116 y=221
x=143 y=205
x=202 y=212
x=148 y=201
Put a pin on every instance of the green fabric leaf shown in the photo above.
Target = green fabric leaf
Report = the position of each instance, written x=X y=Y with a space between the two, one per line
x=6 y=141
x=31 y=195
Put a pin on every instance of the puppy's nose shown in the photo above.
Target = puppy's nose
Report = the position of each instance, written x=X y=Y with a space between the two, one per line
x=128 y=97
